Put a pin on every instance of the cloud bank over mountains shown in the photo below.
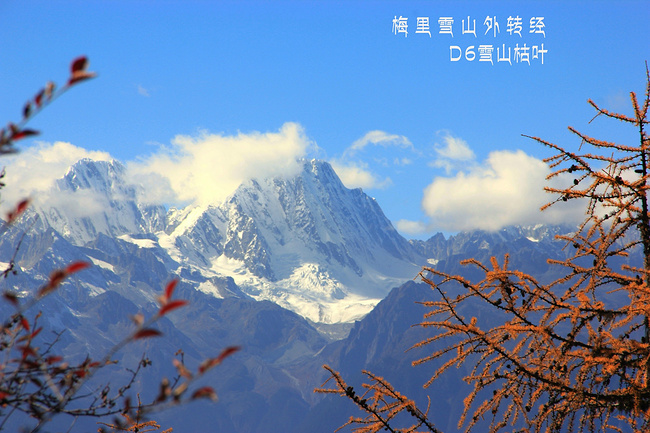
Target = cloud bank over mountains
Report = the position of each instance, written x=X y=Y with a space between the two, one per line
x=505 y=189
x=463 y=193
x=356 y=173
x=32 y=172
x=207 y=168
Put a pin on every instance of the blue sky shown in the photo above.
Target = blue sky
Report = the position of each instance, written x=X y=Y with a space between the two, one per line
x=185 y=86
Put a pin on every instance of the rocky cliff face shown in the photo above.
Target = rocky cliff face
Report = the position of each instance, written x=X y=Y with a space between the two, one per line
x=283 y=222
x=94 y=197
x=305 y=242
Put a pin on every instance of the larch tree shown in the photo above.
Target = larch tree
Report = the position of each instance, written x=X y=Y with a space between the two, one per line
x=569 y=355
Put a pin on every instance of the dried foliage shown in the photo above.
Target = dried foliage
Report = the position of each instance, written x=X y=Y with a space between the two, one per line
x=131 y=423
x=37 y=381
x=17 y=131
x=382 y=402
x=571 y=355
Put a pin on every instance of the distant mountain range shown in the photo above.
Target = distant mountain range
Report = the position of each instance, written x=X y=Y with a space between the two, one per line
x=299 y=271
x=306 y=243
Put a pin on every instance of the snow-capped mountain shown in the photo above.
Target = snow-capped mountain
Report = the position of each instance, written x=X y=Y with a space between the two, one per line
x=306 y=242
x=94 y=197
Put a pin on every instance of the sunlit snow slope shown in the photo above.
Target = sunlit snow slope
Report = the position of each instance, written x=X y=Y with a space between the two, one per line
x=306 y=242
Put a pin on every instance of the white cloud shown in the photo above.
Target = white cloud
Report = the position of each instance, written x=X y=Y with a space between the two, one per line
x=380 y=138
x=68 y=202
x=402 y=161
x=357 y=175
x=454 y=148
x=207 y=168
x=32 y=172
x=412 y=227
x=506 y=189
x=453 y=153
x=143 y=92
x=202 y=169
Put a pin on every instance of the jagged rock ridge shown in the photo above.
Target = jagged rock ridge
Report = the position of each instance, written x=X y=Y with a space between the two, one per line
x=305 y=242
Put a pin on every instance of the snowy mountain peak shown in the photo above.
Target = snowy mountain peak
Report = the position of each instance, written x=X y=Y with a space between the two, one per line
x=94 y=197
x=306 y=242
x=344 y=227
x=104 y=176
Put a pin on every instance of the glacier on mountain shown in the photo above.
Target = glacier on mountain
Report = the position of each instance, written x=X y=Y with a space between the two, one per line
x=305 y=242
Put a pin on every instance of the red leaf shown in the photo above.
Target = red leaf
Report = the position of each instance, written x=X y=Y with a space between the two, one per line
x=55 y=279
x=78 y=70
x=227 y=352
x=80 y=77
x=22 y=205
x=19 y=135
x=170 y=288
x=38 y=99
x=79 y=64
x=59 y=275
x=20 y=208
x=146 y=333
x=205 y=392
x=212 y=362
x=76 y=267
x=171 y=306
x=207 y=365
x=36 y=332
x=25 y=323
x=53 y=359
x=27 y=351
x=27 y=110
x=11 y=297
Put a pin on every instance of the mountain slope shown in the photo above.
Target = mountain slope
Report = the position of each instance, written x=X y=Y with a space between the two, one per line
x=94 y=197
x=306 y=243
